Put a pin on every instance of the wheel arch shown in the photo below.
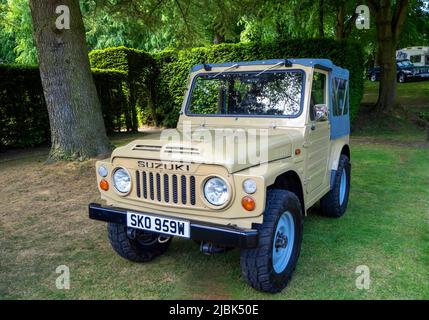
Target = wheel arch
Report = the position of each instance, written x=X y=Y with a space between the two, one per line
x=338 y=147
x=291 y=181
x=346 y=151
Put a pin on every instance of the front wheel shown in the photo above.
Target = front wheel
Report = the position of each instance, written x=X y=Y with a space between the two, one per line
x=334 y=203
x=373 y=77
x=270 y=265
x=401 y=78
x=137 y=245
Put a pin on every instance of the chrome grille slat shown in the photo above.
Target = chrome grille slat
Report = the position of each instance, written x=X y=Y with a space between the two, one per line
x=168 y=188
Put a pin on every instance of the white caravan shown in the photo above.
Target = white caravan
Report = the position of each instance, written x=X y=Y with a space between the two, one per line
x=419 y=56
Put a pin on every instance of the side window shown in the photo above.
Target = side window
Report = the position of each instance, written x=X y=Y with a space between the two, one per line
x=318 y=92
x=415 y=58
x=340 y=92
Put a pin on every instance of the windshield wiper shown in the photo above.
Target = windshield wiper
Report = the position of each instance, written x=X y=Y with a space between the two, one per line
x=272 y=67
x=234 y=66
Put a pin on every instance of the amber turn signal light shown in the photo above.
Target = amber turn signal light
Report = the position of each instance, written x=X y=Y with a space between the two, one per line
x=104 y=185
x=248 y=203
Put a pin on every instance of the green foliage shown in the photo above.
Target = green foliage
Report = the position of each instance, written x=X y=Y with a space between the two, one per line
x=23 y=117
x=112 y=92
x=24 y=120
x=140 y=70
x=174 y=66
x=16 y=30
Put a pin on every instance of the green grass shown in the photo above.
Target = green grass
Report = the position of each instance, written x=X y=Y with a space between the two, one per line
x=413 y=100
x=386 y=227
x=412 y=95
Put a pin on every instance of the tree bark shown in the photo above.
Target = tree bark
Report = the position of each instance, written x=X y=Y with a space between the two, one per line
x=321 y=19
x=343 y=26
x=339 y=23
x=76 y=121
x=218 y=38
x=389 y=21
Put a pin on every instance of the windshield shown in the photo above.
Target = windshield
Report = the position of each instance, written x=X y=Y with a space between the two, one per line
x=405 y=63
x=270 y=93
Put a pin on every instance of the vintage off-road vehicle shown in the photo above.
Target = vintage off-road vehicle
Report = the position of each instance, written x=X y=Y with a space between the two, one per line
x=257 y=144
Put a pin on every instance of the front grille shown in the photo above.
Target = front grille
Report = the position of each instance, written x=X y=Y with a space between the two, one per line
x=166 y=188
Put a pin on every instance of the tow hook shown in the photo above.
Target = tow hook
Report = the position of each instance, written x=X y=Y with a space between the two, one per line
x=131 y=233
x=209 y=248
x=163 y=239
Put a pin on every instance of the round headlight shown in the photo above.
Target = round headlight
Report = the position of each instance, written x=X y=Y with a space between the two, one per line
x=216 y=191
x=249 y=186
x=102 y=171
x=122 y=180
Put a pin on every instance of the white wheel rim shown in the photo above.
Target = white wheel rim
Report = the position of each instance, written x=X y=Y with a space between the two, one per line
x=343 y=185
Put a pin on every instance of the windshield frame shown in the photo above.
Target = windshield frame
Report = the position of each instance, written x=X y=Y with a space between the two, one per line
x=301 y=106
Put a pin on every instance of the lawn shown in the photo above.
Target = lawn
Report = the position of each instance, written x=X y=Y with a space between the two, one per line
x=44 y=224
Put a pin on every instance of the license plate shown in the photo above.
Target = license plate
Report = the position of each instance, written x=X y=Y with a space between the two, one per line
x=173 y=227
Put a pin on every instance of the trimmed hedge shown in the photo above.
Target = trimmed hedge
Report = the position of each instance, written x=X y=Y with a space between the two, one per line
x=24 y=120
x=174 y=67
x=140 y=70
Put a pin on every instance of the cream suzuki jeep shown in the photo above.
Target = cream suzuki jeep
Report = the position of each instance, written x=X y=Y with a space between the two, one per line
x=257 y=144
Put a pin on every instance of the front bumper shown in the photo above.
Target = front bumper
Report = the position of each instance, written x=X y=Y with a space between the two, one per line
x=227 y=236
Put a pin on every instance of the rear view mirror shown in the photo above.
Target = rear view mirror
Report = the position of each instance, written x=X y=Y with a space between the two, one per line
x=321 y=112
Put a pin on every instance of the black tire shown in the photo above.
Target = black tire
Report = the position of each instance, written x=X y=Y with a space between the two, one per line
x=143 y=248
x=373 y=77
x=257 y=263
x=330 y=204
x=401 y=78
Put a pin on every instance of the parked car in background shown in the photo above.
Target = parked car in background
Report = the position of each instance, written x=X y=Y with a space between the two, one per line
x=419 y=56
x=405 y=71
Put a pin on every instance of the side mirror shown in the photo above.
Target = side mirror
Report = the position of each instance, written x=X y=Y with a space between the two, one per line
x=321 y=112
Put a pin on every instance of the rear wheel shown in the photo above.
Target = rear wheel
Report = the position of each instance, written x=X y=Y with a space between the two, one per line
x=136 y=245
x=270 y=265
x=373 y=77
x=334 y=203
x=401 y=78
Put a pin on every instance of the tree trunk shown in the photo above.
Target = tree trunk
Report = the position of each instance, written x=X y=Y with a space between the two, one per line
x=389 y=21
x=321 y=19
x=76 y=121
x=387 y=90
x=339 y=23
x=218 y=38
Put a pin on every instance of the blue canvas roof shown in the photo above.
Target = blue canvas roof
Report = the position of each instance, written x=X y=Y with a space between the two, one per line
x=307 y=62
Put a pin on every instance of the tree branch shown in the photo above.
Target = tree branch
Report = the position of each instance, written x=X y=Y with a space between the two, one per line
x=183 y=15
x=399 y=17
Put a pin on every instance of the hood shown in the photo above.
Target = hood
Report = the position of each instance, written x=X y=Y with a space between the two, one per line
x=235 y=149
